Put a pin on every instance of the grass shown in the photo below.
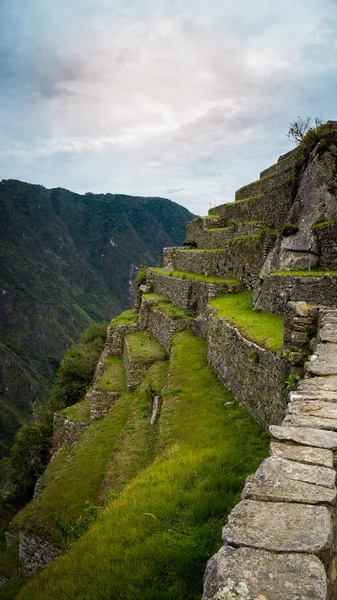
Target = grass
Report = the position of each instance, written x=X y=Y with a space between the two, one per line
x=78 y=412
x=264 y=329
x=194 y=277
x=163 y=304
x=154 y=539
x=311 y=273
x=143 y=346
x=256 y=197
x=113 y=379
x=56 y=509
x=324 y=223
x=10 y=568
x=128 y=317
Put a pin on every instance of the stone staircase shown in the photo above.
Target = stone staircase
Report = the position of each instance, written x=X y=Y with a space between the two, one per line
x=280 y=540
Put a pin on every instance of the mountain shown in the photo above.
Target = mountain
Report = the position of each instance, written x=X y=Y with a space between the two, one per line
x=66 y=259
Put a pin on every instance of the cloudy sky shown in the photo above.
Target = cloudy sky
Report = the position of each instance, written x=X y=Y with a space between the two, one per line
x=185 y=99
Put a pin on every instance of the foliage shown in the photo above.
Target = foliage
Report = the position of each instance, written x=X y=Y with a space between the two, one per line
x=299 y=128
x=290 y=229
x=195 y=277
x=141 y=275
x=128 y=317
x=153 y=540
x=30 y=455
x=292 y=382
x=265 y=329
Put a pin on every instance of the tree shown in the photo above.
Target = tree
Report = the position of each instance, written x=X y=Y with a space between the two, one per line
x=298 y=129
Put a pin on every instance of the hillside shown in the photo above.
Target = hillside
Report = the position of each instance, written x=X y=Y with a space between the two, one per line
x=66 y=259
x=235 y=336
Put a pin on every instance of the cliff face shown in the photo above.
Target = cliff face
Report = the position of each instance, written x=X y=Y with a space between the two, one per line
x=66 y=259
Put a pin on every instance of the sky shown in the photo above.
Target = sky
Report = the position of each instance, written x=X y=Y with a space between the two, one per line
x=183 y=99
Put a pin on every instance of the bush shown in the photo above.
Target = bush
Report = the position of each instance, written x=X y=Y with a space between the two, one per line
x=30 y=455
x=290 y=229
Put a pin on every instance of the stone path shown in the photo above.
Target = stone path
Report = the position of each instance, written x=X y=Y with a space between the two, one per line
x=279 y=540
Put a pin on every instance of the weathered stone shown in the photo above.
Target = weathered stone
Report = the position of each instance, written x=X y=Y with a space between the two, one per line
x=304 y=454
x=306 y=436
x=311 y=395
x=36 y=553
x=274 y=466
x=250 y=574
x=316 y=408
x=327 y=384
x=324 y=362
x=297 y=420
x=328 y=333
x=279 y=527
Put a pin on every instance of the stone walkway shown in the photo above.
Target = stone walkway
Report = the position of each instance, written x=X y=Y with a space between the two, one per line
x=279 y=542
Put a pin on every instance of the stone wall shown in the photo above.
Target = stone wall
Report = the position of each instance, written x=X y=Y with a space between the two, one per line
x=326 y=236
x=164 y=328
x=115 y=338
x=101 y=403
x=219 y=237
x=187 y=293
x=36 y=553
x=273 y=207
x=300 y=329
x=277 y=176
x=279 y=542
x=134 y=368
x=66 y=432
x=255 y=375
x=242 y=257
x=275 y=291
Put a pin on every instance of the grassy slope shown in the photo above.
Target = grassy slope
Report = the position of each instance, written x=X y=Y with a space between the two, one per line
x=153 y=541
x=194 y=277
x=265 y=329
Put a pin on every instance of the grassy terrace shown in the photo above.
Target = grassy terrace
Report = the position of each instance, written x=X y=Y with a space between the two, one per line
x=10 y=568
x=128 y=317
x=154 y=539
x=311 y=273
x=113 y=379
x=78 y=412
x=143 y=346
x=163 y=304
x=193 y=277
x=264 y=329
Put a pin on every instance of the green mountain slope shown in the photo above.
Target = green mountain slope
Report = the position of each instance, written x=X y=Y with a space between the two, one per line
x=66 y=259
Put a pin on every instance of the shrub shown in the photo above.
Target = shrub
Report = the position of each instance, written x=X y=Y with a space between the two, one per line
x=290 y=229
x=30 y=455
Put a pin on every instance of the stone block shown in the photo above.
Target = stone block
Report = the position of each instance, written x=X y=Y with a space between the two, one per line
x=306 y=436
x=280 y=527
x=303 y=454
x=250 y=574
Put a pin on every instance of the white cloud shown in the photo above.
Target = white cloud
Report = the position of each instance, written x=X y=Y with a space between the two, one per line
x=182 y=98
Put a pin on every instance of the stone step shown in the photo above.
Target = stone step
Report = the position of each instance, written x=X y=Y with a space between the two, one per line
x=163 y=318
x=324 y=361
x=296 y=420
x=323 y=385
x=188 y=290
x=273 y=207
x=314 y=408
x=247 y=573
x=140 y=351
x=284 y=163
x=280 y=527
x=219 y=237
x=306 y=436
x=243 y=257
x=303 y=454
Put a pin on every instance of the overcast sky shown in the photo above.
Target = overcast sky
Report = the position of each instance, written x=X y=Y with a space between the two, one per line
x=186 y=99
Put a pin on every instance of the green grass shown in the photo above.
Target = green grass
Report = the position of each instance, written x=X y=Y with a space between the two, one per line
x=78 y=412
x=311 y=273
x=153 y=541
x=143 y=346
x=324 y=223
x=136 y=446
x=194 y=277
x=113 y=379
x=66 y=498
x=256 y=197
x=10 y=568
x=163 y=304
x=128 y=317
x=264 y=329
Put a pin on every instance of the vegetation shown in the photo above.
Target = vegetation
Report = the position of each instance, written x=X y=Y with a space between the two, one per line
x=143 y=346
x=113 y=378
x=323 y=222
x=298 y=129
x=128 y=317
x=195 y=277
x=265 y=329
x=78 y=412
x=151 y=546
x=290 y=229
x=164 y=305
x=10 y=569
x=311 y=273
